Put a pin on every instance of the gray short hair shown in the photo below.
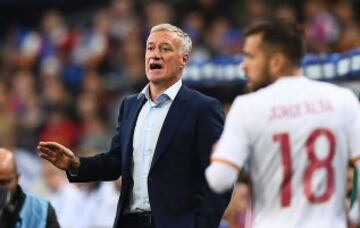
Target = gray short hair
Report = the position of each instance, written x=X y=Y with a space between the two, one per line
x=186 y=40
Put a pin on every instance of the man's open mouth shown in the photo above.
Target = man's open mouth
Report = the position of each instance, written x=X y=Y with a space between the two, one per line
x=155 y=66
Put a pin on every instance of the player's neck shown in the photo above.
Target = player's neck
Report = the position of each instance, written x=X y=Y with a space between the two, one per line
x=289 y=72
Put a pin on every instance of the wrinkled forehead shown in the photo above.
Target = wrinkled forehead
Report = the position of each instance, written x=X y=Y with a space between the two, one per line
x=159 y=37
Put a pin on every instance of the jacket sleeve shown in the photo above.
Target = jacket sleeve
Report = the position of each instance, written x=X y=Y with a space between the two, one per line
x=104 y=166
x=211 y=122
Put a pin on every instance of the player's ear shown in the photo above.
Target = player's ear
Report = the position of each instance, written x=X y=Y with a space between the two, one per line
x=277 y=63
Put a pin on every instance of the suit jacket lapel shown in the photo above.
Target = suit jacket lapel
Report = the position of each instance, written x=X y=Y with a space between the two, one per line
x=133 y=114
x=171 y=122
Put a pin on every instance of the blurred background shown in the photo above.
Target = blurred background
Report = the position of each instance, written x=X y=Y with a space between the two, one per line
x=65 y=66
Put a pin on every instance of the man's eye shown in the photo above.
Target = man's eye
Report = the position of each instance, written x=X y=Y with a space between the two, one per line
x=166 y=49
x=149 y=48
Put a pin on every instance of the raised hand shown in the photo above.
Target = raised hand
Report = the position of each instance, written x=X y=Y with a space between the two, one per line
x=60 y=156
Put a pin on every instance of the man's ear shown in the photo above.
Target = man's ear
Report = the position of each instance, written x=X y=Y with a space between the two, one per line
x=184 y=60
x=277 y=63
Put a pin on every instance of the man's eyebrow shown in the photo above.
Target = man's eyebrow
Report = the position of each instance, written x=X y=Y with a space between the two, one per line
x=163 y=43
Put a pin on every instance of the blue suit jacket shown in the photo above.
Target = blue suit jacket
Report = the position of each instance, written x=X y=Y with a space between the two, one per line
x=178 y=192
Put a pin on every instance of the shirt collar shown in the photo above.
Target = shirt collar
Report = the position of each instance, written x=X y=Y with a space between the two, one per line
x=171 y=92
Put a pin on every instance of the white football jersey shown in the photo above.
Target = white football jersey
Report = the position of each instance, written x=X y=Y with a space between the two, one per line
x=297 y=135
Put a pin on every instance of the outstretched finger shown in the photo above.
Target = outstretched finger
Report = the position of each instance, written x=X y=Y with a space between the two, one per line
x=52 y=145
x=46 y=150
x=56 y=149
x=46 y=157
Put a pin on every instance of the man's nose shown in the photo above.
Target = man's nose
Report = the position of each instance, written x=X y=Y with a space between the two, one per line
x=154 y=53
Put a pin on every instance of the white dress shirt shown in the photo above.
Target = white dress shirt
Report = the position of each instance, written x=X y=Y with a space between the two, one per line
x=146 y=134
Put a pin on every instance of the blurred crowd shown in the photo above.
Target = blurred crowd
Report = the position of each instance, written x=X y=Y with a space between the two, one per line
x=62 y=80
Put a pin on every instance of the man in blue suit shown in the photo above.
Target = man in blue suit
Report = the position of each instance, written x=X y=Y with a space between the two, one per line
x=161 y=147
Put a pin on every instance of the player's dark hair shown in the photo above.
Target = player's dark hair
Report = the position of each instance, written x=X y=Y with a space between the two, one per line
x=280 y=36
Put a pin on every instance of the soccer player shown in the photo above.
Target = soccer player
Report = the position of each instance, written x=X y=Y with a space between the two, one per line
x=296 y=134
